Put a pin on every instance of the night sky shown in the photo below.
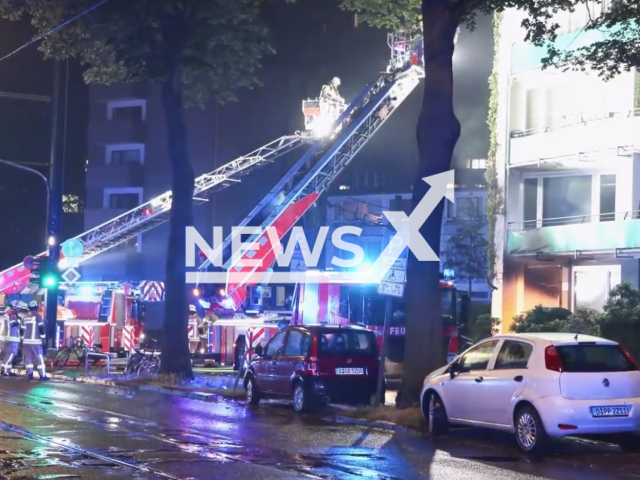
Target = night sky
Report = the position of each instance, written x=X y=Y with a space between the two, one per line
x=314 y=41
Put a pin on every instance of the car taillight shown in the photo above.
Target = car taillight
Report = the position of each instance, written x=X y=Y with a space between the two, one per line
x=311 y=365
x=630 y=359
x=552 y=359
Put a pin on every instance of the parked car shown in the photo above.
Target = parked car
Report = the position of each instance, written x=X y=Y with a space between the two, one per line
x=539 y=385
x=314 y=365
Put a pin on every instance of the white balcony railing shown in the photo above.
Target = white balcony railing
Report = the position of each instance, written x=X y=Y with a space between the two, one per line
x=527 y=225
x=575 y=136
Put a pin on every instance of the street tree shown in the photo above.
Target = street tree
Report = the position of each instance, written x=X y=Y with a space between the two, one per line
x=437 y=132
x=465 y=252
x=192 y=49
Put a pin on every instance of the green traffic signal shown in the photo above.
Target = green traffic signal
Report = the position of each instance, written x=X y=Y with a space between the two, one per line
x=49 y=281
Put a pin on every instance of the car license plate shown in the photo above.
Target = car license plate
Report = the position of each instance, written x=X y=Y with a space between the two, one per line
x=612 y=411
x=349 y=371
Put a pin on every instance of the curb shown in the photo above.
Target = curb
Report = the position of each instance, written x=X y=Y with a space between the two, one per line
x=377 y=424
x=64 y=378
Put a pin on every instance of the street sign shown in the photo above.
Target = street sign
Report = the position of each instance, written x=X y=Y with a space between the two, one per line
x=297 y=261
x=72 y=251
x=395 y=264
x=71 y=276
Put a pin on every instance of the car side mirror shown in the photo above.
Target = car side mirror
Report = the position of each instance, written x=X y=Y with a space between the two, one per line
x=454 y=369
x=258 y=350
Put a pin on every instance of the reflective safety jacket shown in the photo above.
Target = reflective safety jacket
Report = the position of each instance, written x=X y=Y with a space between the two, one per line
x=33 y=329
x=194 y=322
x=12 y=326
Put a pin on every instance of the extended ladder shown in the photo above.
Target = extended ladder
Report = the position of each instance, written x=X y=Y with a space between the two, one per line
x=352 y=131
x=156 y=211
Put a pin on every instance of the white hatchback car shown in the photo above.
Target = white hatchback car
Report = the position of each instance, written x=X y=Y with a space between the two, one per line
x=539 y=385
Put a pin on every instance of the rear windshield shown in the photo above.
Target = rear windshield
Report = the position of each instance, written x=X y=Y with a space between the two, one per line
x=593 y=358
x=347 y=343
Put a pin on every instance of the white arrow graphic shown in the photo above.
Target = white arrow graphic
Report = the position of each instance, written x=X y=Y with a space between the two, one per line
x=408 y=227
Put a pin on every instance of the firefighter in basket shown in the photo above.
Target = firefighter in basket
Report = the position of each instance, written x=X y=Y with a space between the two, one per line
x=194 y=322
x=12 y=326
x=32 y=343
x=331 y=103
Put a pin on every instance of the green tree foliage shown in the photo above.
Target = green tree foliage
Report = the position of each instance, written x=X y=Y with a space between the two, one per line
x=194 y=50
x=483 y=326
x=544 y=319
x=466 y=250
x=621 y=319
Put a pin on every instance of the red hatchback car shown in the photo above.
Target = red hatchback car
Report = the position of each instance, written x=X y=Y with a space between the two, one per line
x=315 y=365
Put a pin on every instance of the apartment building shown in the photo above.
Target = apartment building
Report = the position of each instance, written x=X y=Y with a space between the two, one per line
x=361 y=202
x=569 y=169
x=127 y=165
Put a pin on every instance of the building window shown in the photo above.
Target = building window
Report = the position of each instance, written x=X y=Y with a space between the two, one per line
x=126 y=198
x=566 y=200
x=125 y=154
x=72 y=204
x=132 y=109
x=478 y=163
x=607 y=197
x=122 y=198
x=530 y=203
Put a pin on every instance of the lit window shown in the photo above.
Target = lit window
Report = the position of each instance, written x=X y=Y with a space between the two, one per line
x=344 y=187
x=479 y=163
x=71 y=204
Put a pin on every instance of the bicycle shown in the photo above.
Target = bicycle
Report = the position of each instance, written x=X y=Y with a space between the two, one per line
x=78 y=348
x=143 y=362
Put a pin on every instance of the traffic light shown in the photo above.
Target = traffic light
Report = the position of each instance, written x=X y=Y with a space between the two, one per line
x=35 y=265
x=50 y=275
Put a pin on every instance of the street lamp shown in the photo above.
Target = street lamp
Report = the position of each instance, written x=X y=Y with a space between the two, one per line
x=40 y=176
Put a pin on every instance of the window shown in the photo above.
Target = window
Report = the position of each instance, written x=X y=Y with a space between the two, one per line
x=297 y=344
x=513 y=355
x=347 y=343
x=607 y=198
x=478 y=358
x=121 y=157
x=130 y=109
x=530 y=203
x=467 y=207
x=72 y=204
x=478 y=163
x=125 y=154
x=585 y=358
x=127 y=113
x=566 y=200
x=275 y=346
x=123 y=201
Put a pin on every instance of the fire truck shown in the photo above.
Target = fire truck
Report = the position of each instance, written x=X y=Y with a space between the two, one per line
x=326 y=155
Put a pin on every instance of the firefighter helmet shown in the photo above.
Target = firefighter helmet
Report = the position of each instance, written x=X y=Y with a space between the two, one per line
x=33 y=305
x=192 y=309
x=335 y=82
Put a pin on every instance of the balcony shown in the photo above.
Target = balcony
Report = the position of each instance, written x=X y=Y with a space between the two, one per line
x=578 y=137
x=131 y=175
x=103 y=131
x=573 y=235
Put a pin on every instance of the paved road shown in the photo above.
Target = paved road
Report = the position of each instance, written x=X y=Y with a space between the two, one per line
x=66 y=430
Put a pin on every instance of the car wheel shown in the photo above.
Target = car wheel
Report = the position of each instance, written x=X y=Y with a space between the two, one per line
x=629 y=443
x=253 y=396
x=301 y=400
x=435 y=414
x=530 y=433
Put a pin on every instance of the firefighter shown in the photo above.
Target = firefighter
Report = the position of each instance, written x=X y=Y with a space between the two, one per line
x=32 y=343
x=12 y=338
x=2 y=332
x=194 y=322
x=331 y=103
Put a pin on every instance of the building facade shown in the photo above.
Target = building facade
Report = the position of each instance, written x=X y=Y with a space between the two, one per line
x=128 y=165
x=569 y=170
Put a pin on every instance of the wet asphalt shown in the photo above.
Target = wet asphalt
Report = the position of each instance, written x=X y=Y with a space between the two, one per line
x=56 y=431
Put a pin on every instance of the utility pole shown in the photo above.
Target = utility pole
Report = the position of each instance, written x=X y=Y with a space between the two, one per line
x=54 y=213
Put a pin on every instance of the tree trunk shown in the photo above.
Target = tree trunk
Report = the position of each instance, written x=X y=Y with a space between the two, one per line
x=437 y=133
x=176 y=359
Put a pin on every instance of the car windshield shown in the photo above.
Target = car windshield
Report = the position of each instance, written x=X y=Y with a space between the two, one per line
x=347 y=343
x=593 y=358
